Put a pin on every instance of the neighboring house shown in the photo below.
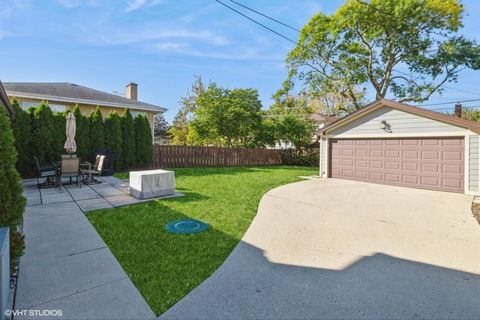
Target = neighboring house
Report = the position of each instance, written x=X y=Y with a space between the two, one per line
x=65 y=96
x=321 y=120
x=5 y=102
x=397 y=144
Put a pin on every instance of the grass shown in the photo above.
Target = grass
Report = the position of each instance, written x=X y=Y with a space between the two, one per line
x=165 y=267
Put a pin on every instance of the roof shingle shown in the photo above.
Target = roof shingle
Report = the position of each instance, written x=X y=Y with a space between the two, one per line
x=69 y=92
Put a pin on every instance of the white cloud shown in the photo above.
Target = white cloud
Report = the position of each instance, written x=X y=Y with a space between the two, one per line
x=133 y=5
x=169 y=46
x=132 y=36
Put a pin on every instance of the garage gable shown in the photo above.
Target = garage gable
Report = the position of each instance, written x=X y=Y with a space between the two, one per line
x=386 y=121
x=385 y=117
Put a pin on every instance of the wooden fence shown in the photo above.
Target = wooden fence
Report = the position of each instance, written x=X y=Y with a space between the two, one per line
x=170 y=156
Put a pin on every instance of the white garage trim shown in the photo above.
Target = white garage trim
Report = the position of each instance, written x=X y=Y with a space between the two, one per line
x=405 y=122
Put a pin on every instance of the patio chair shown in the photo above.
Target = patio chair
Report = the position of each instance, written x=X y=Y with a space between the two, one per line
x=70 y=167
x=95 y=171
x=49 y=172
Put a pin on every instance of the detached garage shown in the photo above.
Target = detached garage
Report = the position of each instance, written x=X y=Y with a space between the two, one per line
x=397 y=144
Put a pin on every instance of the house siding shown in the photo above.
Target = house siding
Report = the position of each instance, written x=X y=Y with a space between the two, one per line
x=400 y=123
x=473 y=163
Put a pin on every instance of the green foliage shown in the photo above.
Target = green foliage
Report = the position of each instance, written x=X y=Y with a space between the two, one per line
x=40 y=132
x=21 y=127
x=363 y=44
x=128 y=137
x=113 y=138
x=143 y=139
x=160 y=129
x=226 y=117
x=289 y=121
x=471 y=114
x=60 y=135
x=82 y=134
x=179 y=132
x=96 y=132
x=43 y=133
x=12 y=203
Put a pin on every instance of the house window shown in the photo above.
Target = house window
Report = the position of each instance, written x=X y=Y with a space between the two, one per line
x=54 y=106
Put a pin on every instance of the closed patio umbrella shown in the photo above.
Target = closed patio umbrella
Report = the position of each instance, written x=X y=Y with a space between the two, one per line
x=70 y=144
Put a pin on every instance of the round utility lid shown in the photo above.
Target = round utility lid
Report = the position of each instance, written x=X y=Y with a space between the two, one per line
x=185 y=226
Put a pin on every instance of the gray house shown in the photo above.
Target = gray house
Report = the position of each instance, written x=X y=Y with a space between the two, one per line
x=397 y=144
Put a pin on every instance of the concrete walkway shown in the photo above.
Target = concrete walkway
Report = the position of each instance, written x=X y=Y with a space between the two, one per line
x=333 y=249
x=66 y=265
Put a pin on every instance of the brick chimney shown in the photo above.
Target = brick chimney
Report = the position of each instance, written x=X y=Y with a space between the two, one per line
x=458 y=110
x=131 y=91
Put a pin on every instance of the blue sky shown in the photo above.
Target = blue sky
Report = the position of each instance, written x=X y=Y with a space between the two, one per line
x=161 y=44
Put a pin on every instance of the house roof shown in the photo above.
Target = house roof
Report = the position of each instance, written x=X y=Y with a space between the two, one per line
x=5 y=102
x=74 y=93
x=441 y=117
x=319 y=117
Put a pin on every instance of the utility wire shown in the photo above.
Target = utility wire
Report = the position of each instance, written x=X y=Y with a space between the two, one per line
x=266 y=16
x=444 y=103
x=311 y=50
x=259 y=23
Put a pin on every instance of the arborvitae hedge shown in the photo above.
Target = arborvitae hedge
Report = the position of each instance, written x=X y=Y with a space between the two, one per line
x=113 y=138
x=12 y=202
x=40 y=132
x=97 y=140
x=22 y=129
x=82 y=134
x=128 y=143
x=43 y=134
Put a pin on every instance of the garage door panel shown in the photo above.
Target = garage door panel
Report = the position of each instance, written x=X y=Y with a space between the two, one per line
x=432 y=163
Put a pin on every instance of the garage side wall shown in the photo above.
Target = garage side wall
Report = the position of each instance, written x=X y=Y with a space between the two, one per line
x=473 y=163
x=323 y=157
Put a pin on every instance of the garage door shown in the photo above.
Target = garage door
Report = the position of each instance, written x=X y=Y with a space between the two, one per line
x=429 y=163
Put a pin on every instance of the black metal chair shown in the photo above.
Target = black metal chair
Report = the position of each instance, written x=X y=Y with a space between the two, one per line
x=49 y=172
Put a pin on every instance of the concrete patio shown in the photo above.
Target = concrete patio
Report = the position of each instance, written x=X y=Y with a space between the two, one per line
x=67 y=266
x=111 y=193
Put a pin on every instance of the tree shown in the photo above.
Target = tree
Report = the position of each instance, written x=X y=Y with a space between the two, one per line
x=60 y=135
x=368 y=44
x=96 y=132
x=160 y=129
x=82 y=134
x=227 y=117
x=471 y=114
x=12 y=203
x=289 y=119
x=179 y=131
x=43 y=134
x=113 y=138
x=22 y=131
x=128 y=137
x=143 y=141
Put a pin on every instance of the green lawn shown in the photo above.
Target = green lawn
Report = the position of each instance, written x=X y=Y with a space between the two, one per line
x=165 y=267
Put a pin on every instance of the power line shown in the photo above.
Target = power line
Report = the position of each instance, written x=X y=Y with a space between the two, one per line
x=259 y=23
x=266 y=16
x=444 y=103
x=311 y=50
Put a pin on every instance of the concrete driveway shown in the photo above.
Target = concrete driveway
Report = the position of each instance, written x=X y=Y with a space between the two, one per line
x=344 y=249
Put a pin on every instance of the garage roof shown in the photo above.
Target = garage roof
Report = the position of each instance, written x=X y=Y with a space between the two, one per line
x=441 y=117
